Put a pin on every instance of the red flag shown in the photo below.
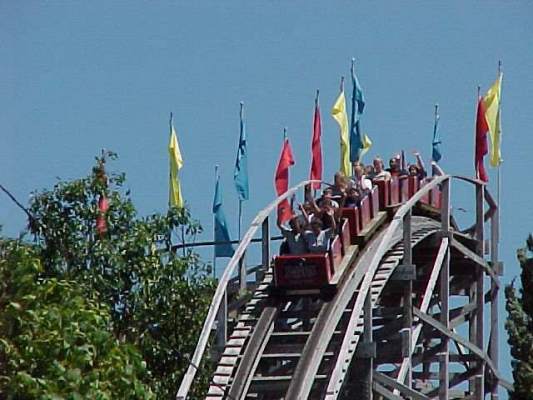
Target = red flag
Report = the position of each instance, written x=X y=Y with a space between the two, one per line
x=316 y=149
x=482 y=148
x=281 y=181
x=103 y=206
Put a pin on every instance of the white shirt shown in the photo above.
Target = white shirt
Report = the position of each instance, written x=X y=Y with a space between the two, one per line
x=318 y=243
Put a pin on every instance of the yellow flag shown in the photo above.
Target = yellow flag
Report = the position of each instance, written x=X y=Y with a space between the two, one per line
x=367 y=144
x=491 y=101
x=175 y=199
x=338 y=112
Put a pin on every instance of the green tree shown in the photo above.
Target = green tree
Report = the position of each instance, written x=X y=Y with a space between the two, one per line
x=519 y=325
x=157 y=299
x=55 y=343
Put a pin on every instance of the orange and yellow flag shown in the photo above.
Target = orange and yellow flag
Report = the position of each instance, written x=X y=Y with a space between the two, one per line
x=175 y=198
x=338 y=112
x=491 y=101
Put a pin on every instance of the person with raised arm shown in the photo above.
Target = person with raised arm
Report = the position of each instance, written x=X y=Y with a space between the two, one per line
x=293 y=236
x=318 y=239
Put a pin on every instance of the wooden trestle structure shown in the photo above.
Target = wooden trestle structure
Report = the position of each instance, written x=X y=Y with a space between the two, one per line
x=409 y=318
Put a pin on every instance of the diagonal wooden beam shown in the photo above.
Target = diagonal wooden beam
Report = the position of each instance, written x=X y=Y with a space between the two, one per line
x=387 y=394
x=477 y=259
x=470 y=346
x=404 y=390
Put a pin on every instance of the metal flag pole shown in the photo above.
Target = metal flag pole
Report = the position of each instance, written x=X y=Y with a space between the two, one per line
x=352 y=71
x=214 y=230
x=316 y=107
x=170 y=178
x=476 y=171
x=435 y=127
x=170 y=170
x=500 y=161
x=240 y=200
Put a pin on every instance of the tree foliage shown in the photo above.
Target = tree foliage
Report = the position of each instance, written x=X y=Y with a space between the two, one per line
x=157 y=299
x=519 y=325
x=55 y=343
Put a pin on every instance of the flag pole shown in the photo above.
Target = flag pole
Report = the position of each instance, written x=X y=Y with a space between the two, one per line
x=475 y=133
x=241 y=113
x=214 y=228
x=352 y=71
x=169 y=170
x=316 y=106
x=341 y=88
x=499 y=165
x=169 y=178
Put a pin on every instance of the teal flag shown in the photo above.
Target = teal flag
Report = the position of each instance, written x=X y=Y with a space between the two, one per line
x=436 y=154
x=221 y=226
x=240 y=174
x=358 y=106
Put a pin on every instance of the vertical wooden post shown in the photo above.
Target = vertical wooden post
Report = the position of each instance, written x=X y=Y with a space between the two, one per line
x=494 y=336
x=242 y=274
x=265 y=245
x=480 y=301
x=408 y=293
x=222 y=322
x=367 y=339
x=445 y=294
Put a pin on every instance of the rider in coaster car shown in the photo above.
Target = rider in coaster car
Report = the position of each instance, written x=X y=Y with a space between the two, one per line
x=379 y=171
x=318 y=239
x=293 y=236
x=360 y=181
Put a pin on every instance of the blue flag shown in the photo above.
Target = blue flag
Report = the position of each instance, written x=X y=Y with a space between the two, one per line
x=358 y=106
x=436 y=154
x=221 y=227
x=240 y=174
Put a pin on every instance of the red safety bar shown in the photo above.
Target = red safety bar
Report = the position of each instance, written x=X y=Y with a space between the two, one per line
x=374 y=201
x=383 y=190
x=366 y=215
x=413 y=185
x=305 y=271
x=404 y=189
x=335 y=254
x=435 y=198
x=425 y=199
x=345 y=235
x=394 y=191
x=353 y=216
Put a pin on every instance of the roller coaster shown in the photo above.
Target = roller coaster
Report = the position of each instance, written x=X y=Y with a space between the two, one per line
x=408 y=308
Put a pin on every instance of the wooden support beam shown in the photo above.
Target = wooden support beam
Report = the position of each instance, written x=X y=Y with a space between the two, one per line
x=368 y=362
x=408 y=295
x=265 y=246
x=465 y=343
x=242 y=274
x=222 y=322
x=445 y=321
x=385 y=380
x=477 y=259
x=385 y=393
x=480 y=301
x=494 y=323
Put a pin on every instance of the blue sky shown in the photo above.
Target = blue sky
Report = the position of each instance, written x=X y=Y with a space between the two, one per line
x=79 y=76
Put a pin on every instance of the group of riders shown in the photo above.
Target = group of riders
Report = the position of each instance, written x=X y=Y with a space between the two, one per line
x=311 y=230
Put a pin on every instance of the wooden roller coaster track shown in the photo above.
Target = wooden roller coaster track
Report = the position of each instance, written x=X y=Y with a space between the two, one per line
x=389 y=328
